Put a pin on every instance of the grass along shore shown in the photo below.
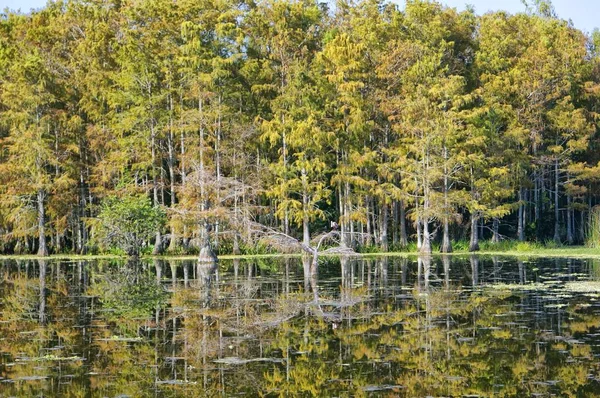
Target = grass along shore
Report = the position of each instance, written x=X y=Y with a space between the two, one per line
x=509 y=248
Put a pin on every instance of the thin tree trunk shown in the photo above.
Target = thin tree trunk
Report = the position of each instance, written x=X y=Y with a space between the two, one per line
x=369 y=228
x=173 y=243
x=537 y=204
x=305 y=210
x=495 y=234
x=570 y=238
x=384 y=227
x=426 y=245
x=158 y=239
x=581 y=226
x=286 y=219
x=218 y=171
x=403 y=236
x=446 y=244
x=206 y=255
x=419 y=234
x=80 y=215
x=42 y=247
x=347 y=211
x=520 y=227
x=395 y=222
x=556 y=208
x=474 y=242
x=342 y=215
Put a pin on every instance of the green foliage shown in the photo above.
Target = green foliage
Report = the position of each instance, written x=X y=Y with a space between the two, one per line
x=292 y=115
x=593 y=233
x=126 y=223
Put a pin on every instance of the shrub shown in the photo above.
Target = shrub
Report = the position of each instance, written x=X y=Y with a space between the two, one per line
x=125 y=223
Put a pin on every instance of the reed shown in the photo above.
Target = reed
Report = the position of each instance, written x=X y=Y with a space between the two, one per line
x=593 y=233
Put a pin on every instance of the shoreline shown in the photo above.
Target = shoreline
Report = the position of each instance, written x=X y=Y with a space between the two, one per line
x=568 y=252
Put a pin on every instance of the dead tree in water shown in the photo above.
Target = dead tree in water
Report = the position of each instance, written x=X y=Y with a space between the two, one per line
x=288 y=244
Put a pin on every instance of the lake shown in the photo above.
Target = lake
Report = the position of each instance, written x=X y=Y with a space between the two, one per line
x=381 y=326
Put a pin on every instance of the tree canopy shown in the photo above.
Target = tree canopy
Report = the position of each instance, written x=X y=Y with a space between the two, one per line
x=420 y=124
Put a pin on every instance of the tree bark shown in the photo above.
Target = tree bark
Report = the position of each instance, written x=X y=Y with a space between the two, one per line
x=403 y=236
x=520 y=227
x=446 y=244
x=474 y=242
x=384 y=227
x=395 y=222
x=305 y=210
x=419 y=234
x=570 y=238
x=495 y=234
x=42 y=247
x=426 y=244
x=369 y=228
x=173 y=242
x=556 y=208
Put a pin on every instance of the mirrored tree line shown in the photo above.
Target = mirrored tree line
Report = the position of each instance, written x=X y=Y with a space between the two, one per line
x=403 y=326
x=420 y=124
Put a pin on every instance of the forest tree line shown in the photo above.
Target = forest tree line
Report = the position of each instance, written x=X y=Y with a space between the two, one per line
x=399 y=124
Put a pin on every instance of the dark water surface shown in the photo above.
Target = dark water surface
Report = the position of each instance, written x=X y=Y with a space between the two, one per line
x=387 y=326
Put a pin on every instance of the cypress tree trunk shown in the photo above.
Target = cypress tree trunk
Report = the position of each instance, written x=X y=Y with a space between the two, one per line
x=350 y=230
x=581 y=226
x=157 y=244
x=474 y=242
x=556 y=208
x=418 y=222
x=236 y=244
x=158 y=240
x=403 y=237
x=286 y=218
x=426 y=244
x=342 y=216
x=537 y=204
x=206 y=255
x=81 y=229
x=570 y=238
x=218 y=171
x=520 y=228
x=305 y=219
x=369 y=228
x=173 y=242
x=384 y=227
x=395 y=222
x=495 y=234
x=58 y=243
x=446 y=244
x=42 y=248
x=419 y=235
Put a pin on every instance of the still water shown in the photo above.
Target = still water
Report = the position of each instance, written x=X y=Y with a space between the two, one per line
x=386 y=326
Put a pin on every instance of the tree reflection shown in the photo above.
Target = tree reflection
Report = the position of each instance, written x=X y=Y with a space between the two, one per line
x=43 y=264
x=393 y=327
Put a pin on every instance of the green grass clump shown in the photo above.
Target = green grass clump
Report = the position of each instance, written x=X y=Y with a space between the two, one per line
x=593 y=234
x=460 y=245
